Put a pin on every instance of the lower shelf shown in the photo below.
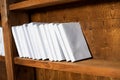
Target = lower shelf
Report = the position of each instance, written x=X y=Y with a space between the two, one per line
x=92 y=66
x=2 y=58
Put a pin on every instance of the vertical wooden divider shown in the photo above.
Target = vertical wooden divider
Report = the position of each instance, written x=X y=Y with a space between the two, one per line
x=10 y=18
x=7 y=40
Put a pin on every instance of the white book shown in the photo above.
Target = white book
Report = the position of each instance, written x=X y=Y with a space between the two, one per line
x=56 y=48
x=74 y=41
x=61 y=43
x=3 y=50
x=33 y=41
x=17 y=42
x=27 y=36
x=50 y=42
x=38 y=43
x=44 y=41
x=47 y=42
x=1 y=43
x=24 y=42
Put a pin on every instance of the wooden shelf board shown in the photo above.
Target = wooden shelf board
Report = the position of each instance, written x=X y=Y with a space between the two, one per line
x=92 y=66
x=29 y=4
x=2 y=58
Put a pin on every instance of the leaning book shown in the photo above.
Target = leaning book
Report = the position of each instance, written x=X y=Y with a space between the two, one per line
x=74 y=40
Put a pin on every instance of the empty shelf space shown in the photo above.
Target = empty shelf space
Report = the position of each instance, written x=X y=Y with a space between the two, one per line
x=2 y=58
x=29 y=4
x=92 y=66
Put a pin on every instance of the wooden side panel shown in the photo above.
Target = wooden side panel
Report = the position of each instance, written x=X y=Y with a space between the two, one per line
x=7 y=40
x=2 y=63
x=14 y=72
x=100 y=23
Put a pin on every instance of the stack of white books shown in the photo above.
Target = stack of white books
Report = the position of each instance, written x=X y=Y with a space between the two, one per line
x=1 y=43
x=53 y=41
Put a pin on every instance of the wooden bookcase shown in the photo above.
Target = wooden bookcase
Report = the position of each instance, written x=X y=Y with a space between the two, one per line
x=100 y=23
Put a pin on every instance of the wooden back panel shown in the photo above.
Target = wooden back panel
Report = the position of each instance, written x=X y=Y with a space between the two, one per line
x=44 y=74
x=100 y=23
x=3 y=75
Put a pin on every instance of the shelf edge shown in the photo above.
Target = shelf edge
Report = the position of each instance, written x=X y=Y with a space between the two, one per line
x=71 y=67
x=37 y=3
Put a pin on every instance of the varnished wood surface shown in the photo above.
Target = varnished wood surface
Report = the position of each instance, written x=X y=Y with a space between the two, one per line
x=45 y=74
x=30 y=4
x=100 y=21
x=2 y=58
x=93 y=67
x=7 y=40
x=14 y=72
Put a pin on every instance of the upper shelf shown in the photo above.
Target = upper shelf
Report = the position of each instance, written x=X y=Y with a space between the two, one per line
x=2 y=58
x=30 y=4
x=92 y=66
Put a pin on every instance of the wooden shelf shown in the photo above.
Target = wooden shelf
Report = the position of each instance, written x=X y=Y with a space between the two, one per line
x=92 y=66
x=30 y=4
x=2 y=58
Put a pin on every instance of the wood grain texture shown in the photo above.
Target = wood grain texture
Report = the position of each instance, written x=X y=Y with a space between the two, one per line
x=45 y=74
x=14 y=72
x=2 y=60
x=7 y=41
x=97 y=21
x=3 y=74
x=30 y=4
x=93 y=67
x=100 y=23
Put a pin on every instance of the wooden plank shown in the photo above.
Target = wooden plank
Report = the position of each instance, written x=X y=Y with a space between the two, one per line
x=29 y=4
x=93 y=67
x=2 y=58
x=7 y=40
